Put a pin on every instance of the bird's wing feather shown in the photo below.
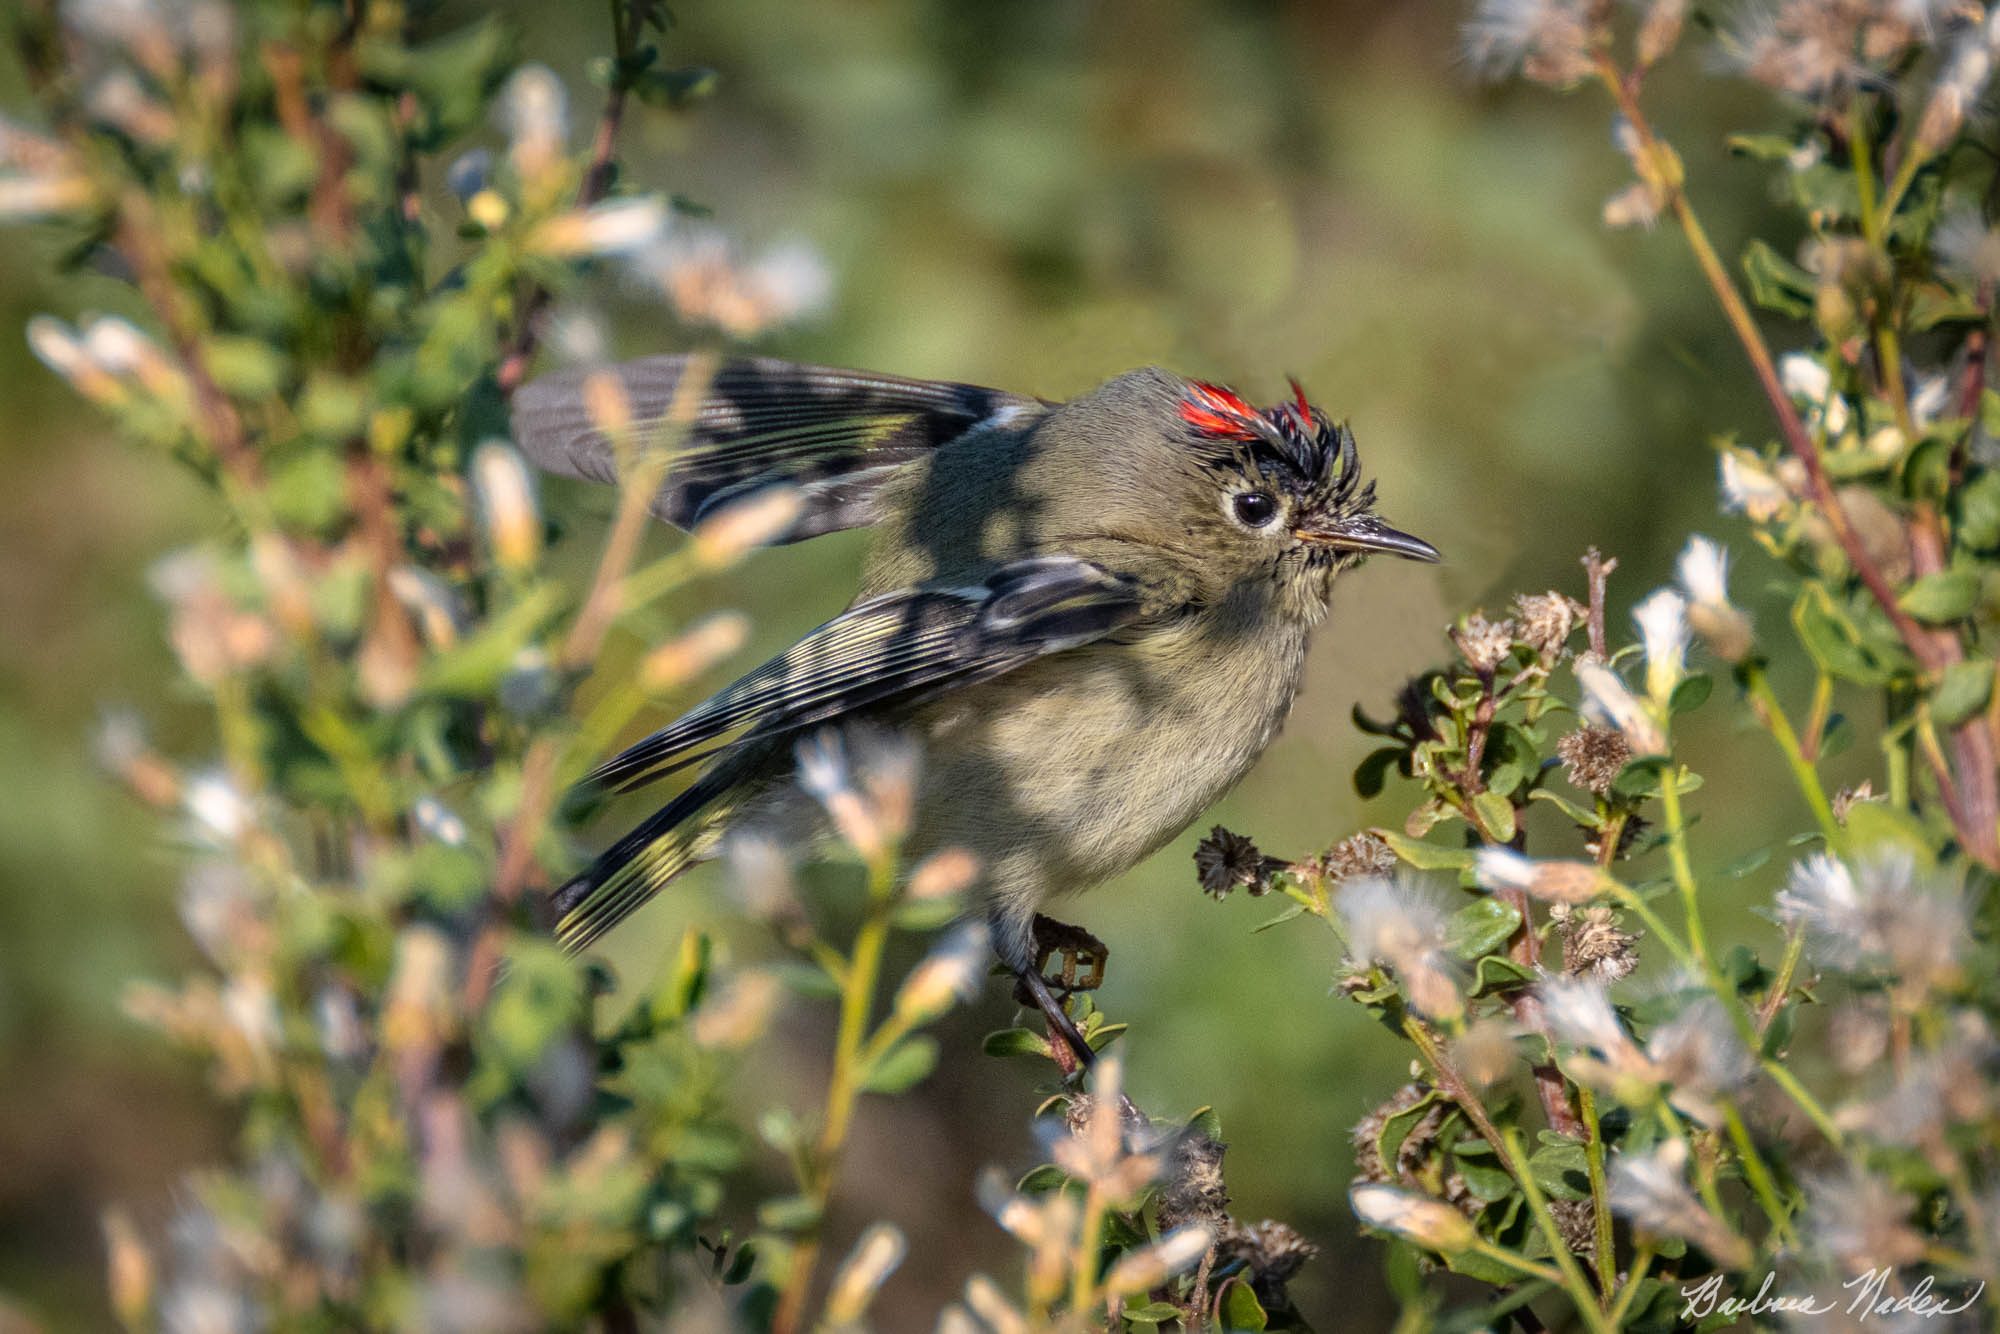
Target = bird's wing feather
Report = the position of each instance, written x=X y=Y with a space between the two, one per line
x=836 y=435
x=895 y=647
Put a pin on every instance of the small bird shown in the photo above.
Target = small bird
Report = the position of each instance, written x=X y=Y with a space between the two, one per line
x=1092 y=615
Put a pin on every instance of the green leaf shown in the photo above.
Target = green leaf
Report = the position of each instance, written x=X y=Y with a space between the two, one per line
x=244 y=367
x=1832 y=639
x=1497 y=972
x=1424 y=856
x=308 y=490
x=1373 y=772
x=1776 y=283
x=1948 y=595
x=1964 y=691
x=1877 y=823
x=1496 y=813
x=1396 y=1128
x=1481 y=927
x=1016 y=1042
x=1576 y=813
x=1240 y=1308
x=1979 y=501
x=1287 y=915
x=1486 y=1182
x=1763 y=147
x=1153 y=1313
x=1561 y=1170
x=1691 y=693
x=788 y=1213
x=475 y=666
x=903 y=1066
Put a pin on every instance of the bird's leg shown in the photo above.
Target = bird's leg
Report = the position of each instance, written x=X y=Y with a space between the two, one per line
x=1071 y=1053
x=1083 y=955
x=1082 y=969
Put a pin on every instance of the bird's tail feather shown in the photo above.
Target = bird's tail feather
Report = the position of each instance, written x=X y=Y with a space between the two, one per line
x=640 y=864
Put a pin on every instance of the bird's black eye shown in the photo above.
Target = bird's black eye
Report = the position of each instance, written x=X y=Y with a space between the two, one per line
x=1255 y=508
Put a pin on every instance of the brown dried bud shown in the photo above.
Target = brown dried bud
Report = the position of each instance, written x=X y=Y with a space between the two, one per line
x=1593 y=757
x=1358 y=854
x=1594 y=945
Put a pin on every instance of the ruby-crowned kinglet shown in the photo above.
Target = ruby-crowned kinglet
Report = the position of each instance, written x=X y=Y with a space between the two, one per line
x=1092 y=614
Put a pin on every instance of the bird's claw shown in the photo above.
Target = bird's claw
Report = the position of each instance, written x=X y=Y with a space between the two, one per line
x=1082 y=956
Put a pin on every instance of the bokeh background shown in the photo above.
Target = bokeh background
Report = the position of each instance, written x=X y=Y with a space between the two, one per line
x=1033 y=194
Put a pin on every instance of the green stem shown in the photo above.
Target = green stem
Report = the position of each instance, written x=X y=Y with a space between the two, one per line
x=1642 y=1261
x=1603 y=1260
x=1506 y=1257
x=1758 y=685
x=1683 y=870
x=1573 y=1280
x=1758 y=1175
x=857 y=998
x=1083 y=1284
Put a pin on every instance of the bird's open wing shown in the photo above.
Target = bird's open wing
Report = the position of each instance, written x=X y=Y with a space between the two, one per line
x=896 y=648
x=836 y=435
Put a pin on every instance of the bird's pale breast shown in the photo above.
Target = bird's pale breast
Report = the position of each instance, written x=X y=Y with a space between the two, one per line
x=1069 y=771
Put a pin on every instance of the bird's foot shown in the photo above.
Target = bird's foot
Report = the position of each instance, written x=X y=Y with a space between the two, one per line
x=1082 y=956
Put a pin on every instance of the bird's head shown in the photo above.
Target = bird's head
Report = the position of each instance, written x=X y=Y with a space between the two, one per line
x=1284 y=489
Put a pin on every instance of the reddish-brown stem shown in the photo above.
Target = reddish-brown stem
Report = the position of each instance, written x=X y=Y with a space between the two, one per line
x=596 y=181
x=1977 y=833
x=1597 y=570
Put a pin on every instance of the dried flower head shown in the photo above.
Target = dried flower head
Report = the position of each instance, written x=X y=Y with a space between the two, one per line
x=1140 y=1271
x=1595 y=943
x=1484 y=1053
x=1358 y=854
x=1663 y=632
x=1862 y=1222
x=950 y=974
x=1192 y=1189
x=1548 y=41
x=1482 y=643
x=506 y=492
x=708 y=281
x=1704 y=573
x=1580 y=1015
x=1226 y=861
x=1698 y=1055
x=875 y=1256
x=734 y=531
x=1400 y=928
x=1880 y=914
x=1428 y=1222
x=1651 y=1190
x=866 y=780
x=1498 y=868
x=1271 y=1252
x=1593 y=757
x=1546 y=621
x=1750 y=488
x=1607 y=703
x=1967 y=248
x=694 y=651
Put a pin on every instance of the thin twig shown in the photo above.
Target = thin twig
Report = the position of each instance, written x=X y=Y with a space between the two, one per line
x=597 y=178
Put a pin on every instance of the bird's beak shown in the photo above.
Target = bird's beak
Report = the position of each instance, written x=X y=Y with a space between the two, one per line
x=1366 y=533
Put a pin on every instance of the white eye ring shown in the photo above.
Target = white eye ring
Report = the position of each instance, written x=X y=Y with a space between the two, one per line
x=1255 y=509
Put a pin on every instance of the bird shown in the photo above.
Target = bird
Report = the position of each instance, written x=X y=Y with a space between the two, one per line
x=1091 y=615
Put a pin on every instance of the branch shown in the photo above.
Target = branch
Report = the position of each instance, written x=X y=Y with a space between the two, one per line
x=596 y=182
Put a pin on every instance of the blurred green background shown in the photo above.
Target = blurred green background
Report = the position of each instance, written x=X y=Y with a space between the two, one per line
x=1034 y=195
